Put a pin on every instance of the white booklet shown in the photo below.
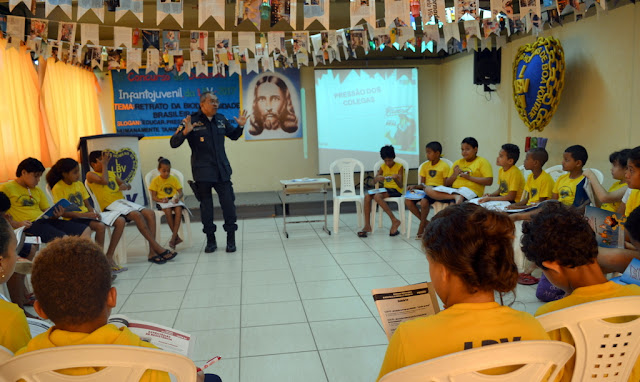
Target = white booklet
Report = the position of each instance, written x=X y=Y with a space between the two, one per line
x=414 y=194
x=496 y=205
x=171 y=204
x=37 y=326
x=377 y=191
x=397 y=305
x=464 y=191
x=124 y=207
x=165 y=338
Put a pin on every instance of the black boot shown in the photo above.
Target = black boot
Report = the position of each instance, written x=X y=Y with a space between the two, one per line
x=231 y=241
x=211 y=243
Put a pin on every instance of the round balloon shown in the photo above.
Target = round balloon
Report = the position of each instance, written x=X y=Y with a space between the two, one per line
x=538 y=79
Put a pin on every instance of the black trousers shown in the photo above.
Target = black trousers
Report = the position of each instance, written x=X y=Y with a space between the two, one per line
x=227 y=202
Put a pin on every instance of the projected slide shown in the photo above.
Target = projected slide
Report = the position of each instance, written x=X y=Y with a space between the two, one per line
x=361 y=110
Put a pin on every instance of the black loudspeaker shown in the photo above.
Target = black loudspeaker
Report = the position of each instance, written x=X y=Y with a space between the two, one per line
x=486 y=67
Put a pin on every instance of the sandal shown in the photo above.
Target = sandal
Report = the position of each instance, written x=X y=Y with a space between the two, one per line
x=164 y=254
x=362 y=234
x=395 y=233
x=527 y=279
x=115 y=269
x=157 y=259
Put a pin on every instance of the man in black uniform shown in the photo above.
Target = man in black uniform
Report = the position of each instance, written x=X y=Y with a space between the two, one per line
x=206 y=130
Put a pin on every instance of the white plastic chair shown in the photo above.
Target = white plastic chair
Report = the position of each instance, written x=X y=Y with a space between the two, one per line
x=398 y=200
x=537 y=358
x=555 y=171
x=159 y=214
x=439 y=206
x=604 y=350
x=5 y=354
x=347 y=167
x=121 y=249
x=122 y=363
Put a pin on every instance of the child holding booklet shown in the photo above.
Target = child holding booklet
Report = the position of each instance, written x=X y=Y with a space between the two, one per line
x=166 y=188
x=64 y=181
x=470 y=254
x=510 y=179
x=107 y=188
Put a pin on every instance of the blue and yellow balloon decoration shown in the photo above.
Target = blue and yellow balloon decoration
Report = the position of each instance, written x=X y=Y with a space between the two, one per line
x=538 y=79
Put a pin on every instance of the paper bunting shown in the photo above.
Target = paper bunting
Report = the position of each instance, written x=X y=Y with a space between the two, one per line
x=38 y=28
x=359 y=40
x=135 y=6
x=342 y=43
x=170 y=41
x=268 y=64
x=247 y=40
x=165 y=8
x=490 y=26
x=249 y=10
x=252 y=66
x=501 y=7
x=134 y=56
x=316 y=10
x=431 y=33
x=202 y=68
x=284 y=10
x=15 y=27
x=471 y=28
x=381 y=38
x=67 y=32
x=198 y=45
x=300 y=43
x=404 y=36
x=153 y=60
x=65 y=5
x=276 y=41
x=150 y=39
x=432 y=9
x=122 y=36
x=31 y=4
x=396 y=11
x=89 y=32
x=529 y=8
x=363 y=9
x=466 y=7
x=97 y=6
x=211 y=8
x=451 y=31
x=234 y=68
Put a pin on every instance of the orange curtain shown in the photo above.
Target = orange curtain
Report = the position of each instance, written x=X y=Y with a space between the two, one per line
x=20 y=119
x=70 y=106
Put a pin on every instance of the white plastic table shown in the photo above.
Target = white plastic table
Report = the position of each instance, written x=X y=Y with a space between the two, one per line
x=304 y=186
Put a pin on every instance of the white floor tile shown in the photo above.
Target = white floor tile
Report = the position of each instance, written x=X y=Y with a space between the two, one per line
x=265 y=264
x=214 y=281
x=143 y=302
x=335 y=308
x=365 y=285
x=269 y=293
x=214 y=265
x=267 y=277
x=292 y=367
x=164 y=284
x=411 y=266
x=275 y=339
x=333 y=272
x=360 y=364
x=357 y=258
x=218 y=317
x=368 y=270
x=162 y=317
x=273 y=313
x=326 y=289
x=348 y=333
x=171 y=270
x=218 y=342
x=219 y=296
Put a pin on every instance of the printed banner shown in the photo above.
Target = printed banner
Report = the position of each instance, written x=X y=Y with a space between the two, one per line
x=248 y=10
x=316 y=10
x=528 y=7
x=284 y=10
x=122 y=36
x=211 y=8
x=466 y=7
x=155 y=104
x=165 y=8
x=431 y=9
x=150 y=39
x=89 y=32
x=97 y=6
x=15 y=27
x=273 y=102
x=38 y=29
x=396 y=11
x=135 y=6
x=65 y=5
x=363 y=9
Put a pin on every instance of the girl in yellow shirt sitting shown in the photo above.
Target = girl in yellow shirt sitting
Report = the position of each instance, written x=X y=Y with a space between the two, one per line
x=470 y=254
x=166 y=188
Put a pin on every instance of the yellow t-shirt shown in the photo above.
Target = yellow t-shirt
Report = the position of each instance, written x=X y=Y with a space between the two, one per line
x=434 y=175
x=106 y=194
x=14 y=331
x=74 y=192
x=165 y=188
x=108 y=335
x=479 y=167
x=583 y=295
x=26 y=204
x=386 y=171
x=511 y=180
x=460 y=327
x=565 y=187
x=613 y=207
x=542 y=187
x=631 y=204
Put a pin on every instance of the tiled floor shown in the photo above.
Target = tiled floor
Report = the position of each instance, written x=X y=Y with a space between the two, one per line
x=296 y=309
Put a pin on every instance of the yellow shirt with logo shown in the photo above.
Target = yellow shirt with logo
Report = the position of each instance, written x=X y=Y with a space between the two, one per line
x=74 y=193
x=108 y=193
x=165 y=188
x=479 y=167
x=541 y=187
x=14 y=331
x=613 y=207
x=583 y=295
x=511 y=180
x=388 y=171
x=26 y=204
x=434 y=175
x=457 y=328
x=632 y=202
x=565 y=187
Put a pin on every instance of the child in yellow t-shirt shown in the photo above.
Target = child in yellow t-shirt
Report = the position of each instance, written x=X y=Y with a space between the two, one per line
x=432 y=173
x=107 y=188
x=569 y=188
x=392 y=174
x=569 y=261
x=14 y=330
x=64 y=181
x=610 y=200
x=471 y=171
x=465 y=278
x=164 y=188
x=539 y=184
x=510 y=179
x=631 y=199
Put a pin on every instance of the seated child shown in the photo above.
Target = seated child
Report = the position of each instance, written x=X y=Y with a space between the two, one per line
x=539 y=184
x=631 y=199
x=610 y=200
x=471 y=171
x=28 y=202
x=470 y=254
x=432 y=173
x=164 y=188
x=391 y=173
x=561 y=242
x=107 y=188
x=509 y=177
x=14 y=330
x=569 y=188
x=64 y=181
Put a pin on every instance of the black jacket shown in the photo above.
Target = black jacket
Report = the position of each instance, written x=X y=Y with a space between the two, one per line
x=209 y=161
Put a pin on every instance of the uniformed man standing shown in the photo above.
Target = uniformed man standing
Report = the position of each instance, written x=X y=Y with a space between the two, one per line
x=206 y=130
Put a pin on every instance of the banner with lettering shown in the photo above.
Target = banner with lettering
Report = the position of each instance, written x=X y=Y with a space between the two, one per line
x=155 y=104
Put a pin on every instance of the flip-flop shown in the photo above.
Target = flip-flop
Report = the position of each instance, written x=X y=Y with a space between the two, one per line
x=395 y=233
x=118 y=269
x=526 y=279
x=157 y=259
x=168 y=252
x=362 y=234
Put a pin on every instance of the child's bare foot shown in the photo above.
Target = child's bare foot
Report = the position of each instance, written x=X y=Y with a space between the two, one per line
x=365 y=231
x=394 y=228
x=178 y=240
x=172 y=243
